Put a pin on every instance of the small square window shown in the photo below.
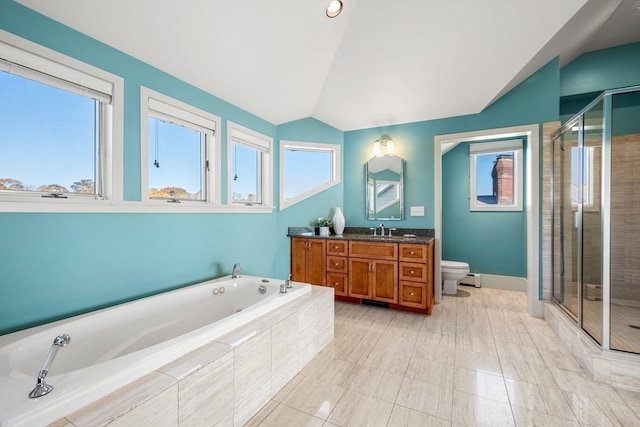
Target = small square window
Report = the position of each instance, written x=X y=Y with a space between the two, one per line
x=177 y=142
x=496 y=176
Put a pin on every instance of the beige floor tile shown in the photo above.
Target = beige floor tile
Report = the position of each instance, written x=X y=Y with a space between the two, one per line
x=576 y=382
x=314 y=397
x=288 y=388
x=437 y=353
x=483 y=362
x=528 y=372
x=594 y=411
x=481 y=384
x=425 y=397
x=405 y=417
x=437 y=337
x=332 y=370
x=477 y=343
x=355 y=409
x=523 y=353
x=284 y=416
x=471 y=410
x=527 y=418
x=560 y=359
x=513 y=336
x=262 y=414
x=432 y=372
x=539 y=398
x=632 y=398
x=389 y=361
x=376 y=383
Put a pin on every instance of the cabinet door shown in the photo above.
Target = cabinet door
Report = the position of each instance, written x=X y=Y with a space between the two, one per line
x=316 y=262
x=385 y=279
x=359 y=272
x=299 y=259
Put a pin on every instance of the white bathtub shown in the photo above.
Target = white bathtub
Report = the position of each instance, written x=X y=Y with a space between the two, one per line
x=115 y=346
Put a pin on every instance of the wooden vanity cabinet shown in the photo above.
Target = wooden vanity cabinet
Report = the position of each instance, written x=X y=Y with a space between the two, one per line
x=416 y=276
x=373 y=271
x=399 y=274
x=308 y=260
x=338 y=266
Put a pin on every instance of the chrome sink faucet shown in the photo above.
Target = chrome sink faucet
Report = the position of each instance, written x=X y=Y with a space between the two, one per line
x=382 y=230
x=236 y=271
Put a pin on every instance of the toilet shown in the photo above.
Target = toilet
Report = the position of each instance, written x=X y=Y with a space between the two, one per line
x=452 y=272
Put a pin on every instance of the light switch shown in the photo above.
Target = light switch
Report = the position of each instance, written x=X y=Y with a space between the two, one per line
x=417 y=210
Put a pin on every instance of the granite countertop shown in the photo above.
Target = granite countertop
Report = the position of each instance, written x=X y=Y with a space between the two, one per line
x=422 y=236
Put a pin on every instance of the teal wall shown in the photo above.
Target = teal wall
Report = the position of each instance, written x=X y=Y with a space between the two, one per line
x=54 y=265
x=490 y=242
x=306 y=212
x=535 y=100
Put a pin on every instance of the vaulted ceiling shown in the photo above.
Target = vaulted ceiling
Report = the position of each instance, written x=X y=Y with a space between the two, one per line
x=378 y=63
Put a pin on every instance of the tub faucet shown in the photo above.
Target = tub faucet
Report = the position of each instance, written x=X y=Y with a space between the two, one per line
x=236 y=271
x=42 y=387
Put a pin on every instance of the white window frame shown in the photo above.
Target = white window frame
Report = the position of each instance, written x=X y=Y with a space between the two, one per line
x=156 y=104
x=335 y=175
x=27 y=54
x=263 y=143
x=485 y=148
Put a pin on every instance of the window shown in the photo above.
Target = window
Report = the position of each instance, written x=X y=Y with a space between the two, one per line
x=56 y=126
x=249 y=155
x=306 y=169
x=178 y=141
x=496 y=175
x=588 y=174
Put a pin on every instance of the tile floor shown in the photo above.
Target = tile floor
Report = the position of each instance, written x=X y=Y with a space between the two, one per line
x=479 y=360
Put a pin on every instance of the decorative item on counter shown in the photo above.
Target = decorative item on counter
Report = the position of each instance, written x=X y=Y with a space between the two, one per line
x=324 y=224
x=338 y=222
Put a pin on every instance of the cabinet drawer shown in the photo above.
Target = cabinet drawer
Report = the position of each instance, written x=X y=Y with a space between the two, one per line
x=413 y=253
x=388 y=251
x=338 y=264
x=413 y=295
x=338 y=247
x=338 y=281
x=413 y=272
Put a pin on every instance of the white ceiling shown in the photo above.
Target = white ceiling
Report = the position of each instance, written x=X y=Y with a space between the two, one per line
x=380 y=62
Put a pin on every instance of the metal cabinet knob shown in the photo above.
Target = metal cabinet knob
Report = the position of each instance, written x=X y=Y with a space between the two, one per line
x=411 y=294
x=412 y=253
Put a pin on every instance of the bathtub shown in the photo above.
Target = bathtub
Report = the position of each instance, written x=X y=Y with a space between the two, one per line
x=113 y=347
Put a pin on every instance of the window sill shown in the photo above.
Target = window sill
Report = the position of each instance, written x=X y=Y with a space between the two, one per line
x=8 y=205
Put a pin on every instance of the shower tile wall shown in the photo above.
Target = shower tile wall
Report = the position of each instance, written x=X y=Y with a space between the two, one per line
x=625 y=220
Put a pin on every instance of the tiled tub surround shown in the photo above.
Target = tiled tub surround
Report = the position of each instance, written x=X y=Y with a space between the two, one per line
x=227 y=380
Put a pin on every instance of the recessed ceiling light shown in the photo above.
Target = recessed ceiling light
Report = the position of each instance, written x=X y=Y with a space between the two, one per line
x=334 y=8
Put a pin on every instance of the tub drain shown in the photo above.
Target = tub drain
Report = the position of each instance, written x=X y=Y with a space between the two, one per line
x=239 y=309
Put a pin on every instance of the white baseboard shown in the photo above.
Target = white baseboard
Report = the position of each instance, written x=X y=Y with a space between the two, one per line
x=508 y=283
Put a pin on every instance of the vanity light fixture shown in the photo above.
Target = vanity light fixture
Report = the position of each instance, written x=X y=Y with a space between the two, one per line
x=383 y=146
x=334 y=8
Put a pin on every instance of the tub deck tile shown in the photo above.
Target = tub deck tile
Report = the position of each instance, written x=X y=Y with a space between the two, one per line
x=127 y=400
x=196 y=360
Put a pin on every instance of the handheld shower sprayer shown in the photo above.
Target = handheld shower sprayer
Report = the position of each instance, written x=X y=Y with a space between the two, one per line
x=42 y=387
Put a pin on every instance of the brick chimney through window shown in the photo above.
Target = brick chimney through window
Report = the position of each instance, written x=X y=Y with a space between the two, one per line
x=502 y=175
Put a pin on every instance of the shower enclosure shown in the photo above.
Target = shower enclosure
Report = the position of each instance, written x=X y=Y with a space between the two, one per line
x=596 y=219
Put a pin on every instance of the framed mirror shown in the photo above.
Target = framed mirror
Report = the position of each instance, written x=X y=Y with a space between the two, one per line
x=385 y=179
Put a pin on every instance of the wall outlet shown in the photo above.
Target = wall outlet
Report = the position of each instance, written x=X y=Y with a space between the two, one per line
x=417 y=210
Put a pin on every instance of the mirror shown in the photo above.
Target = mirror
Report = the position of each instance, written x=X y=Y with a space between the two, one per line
x=385 y=175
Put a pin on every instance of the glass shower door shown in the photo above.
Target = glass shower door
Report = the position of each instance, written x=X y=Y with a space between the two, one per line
x=565 y=221
x=591 y=212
